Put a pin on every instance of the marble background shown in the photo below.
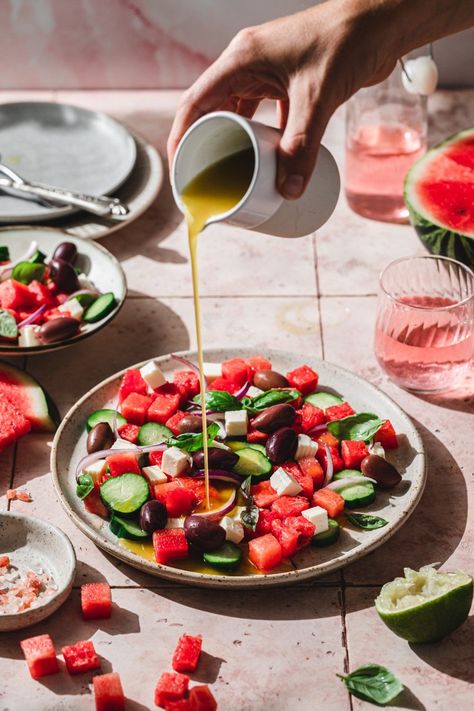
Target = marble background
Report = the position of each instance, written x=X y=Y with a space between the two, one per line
x=111 y=44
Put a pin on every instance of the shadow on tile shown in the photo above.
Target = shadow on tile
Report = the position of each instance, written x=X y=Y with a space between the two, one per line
x=208 y=669
x=447 y=657
x=407 y=700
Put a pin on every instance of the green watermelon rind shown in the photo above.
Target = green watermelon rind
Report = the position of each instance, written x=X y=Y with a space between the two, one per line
x=437 y=238
x=43 y=409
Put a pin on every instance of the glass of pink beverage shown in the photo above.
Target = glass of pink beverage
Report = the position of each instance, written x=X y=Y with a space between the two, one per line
x=424 y=332
x=385 y=134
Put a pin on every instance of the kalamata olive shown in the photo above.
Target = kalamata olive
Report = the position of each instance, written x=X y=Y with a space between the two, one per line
x=64 y=276
x=382 y=471
x=218 y=459
x=153 y=516
x=58 y=329
x=100 y=437
x=190 y=423
x=281 y=445
x=67 y=251
x=269 y=379
x=203 y=533
x=274 y=417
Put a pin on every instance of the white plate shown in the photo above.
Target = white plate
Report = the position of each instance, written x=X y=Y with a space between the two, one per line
x=101 y=267
x=61 y=145
x=69 y=447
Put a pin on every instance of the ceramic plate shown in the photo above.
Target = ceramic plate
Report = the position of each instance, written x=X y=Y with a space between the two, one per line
x=64 y=146
x=33 y=543
x=101 y=267
x=69 y=447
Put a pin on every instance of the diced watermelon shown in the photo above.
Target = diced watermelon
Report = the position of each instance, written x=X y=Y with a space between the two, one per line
x=304 y=379
x=187 y=383
x=80 y=657
x=180 y=705
x=54 y=313
x=328 y=438
x=171 y=687
x=353 y=452
x=13 y=424
x=265 y=552
x=303 y=478
x=387 y=436
x=258 y=362
x=201 y=699
x=329 y=500
x=41 y=294
x=135 y=407
x=309 y=416
x=170 y=544
x=236 y=370
x=264 y=523
x=108 y=692
x=256 y=437
x=95 y=505
x=174 y=421
x=290 y=505
x=312 y=468
x=337 y=462
x=187 y=653
x=263 y=494
x=165 y=404
x=27 y=396
x=224 y=385
x=180 y=501
x=293 y=533
x=125 y=462
x=338 y=412
x=129 y=432
x=155 y=458
x=40 y=655
x=96 y=601
x=15 y=295
x=132 y=382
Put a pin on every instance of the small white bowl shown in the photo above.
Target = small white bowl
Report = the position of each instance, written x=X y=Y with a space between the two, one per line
x=31 y=542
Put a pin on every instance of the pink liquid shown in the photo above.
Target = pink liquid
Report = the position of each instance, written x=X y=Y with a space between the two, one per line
x=377 y=161
x=424 y=350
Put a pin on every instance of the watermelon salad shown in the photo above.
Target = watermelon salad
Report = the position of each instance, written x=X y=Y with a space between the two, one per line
x=286 y=460
x=44 y=301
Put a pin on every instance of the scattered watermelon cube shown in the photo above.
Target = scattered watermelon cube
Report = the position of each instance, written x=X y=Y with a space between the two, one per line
x=129 y=432
x=387 y=436
x=313 y=470
x=294 y=533
x=40 y=655
x=95 y=505
x=329 y=500
x=265 y=552
x=155 y=458
x=13 y=424
x=170 y=544
x=80 y=657
x=173 y=422
x=180 y=705
x=201 y=699
x=135 y=407
x=328 y=438
x=258 y=362
x=165 y=403
x=236 y=370
x=187 y=384
x=256 y=437
x=132 y=382
x=304 y=379
x=171 y=687
x=353 y=452
x=96 y=601
x=123 y=463
x=108 y=692
x=187 y=653
x=290 y=505
x=309 y=416
x=228 y=386
x=263 y=494
x=338 y=412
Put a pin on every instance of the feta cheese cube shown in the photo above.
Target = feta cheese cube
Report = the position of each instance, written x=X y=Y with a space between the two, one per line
x=155 y=474
x=318 y=517
x=234 y=531
x=253 y=391
x=152 y=375
x=28 y=337
x=377 y=448
x=73 y=307
x=212 y=370
x=175 y=523
x=123 y=444
x=284 y=484
x=95 y=470
x=306 y=447
x=236 y=423
x=175 y=461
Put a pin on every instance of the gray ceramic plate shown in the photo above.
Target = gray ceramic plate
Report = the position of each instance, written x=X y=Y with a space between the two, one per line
x=31 y=542
x=101 y=267
x=69 y=447
x=61 y=145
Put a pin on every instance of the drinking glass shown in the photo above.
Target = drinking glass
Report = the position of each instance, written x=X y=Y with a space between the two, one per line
x=424 y=332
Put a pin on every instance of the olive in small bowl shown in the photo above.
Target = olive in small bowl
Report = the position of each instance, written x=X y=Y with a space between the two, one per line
x=203 y=533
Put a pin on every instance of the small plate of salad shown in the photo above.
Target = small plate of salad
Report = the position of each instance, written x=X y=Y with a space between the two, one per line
x=55 y=289
x=310 y=467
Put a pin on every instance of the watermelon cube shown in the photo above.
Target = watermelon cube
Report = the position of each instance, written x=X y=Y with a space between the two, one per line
x=338 y=412
x=174 y=421
x=13 y=424
x=179 y=501
x=265 y=552
x=337 y=462
x=263 y=494
x=187 y=383
x=95 y=505
x=187 y=653
x=328 y=438
x=129 y=433
x=225 y=385
x=264 y=523
x=108 y=692
x=329 y=500
x=126 y=462
x=294 y=533
x=41 y=294
x=165 y=403
x=15 y=296
x=132 y=382
x=171 y=687
x=40 y=655
x=309 y=416
x=311 y=469
x=135 y=407
x=155 y=459
x=290 y=505
x=256 y=437
x=353 y=452
x=236 y=370
x=302 y=476
x=96 y=601
x=201 y=699
x=170 y=544
x=81 y=657
x=304 y=379
x=180 y=705
x=387 y=436
x=258 y=362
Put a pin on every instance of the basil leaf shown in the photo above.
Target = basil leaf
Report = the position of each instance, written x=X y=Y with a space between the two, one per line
x=193 y=441
x=362 y=426
x=249 y=517
x=8 y=327
x=373 y=683
x=220 y=401
x=27 y=272
x=245 y=487
x=274 y=397
x=366 y=521
x=84 y=485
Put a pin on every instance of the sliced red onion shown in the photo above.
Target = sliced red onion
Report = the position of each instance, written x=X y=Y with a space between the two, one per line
x=329 y=465
x=102 y=453
x=348 y=481
x=220 y=475
x=24 y=258
x=243 y=390
x=222 y=510
x=316 y=429
x=190 y=365
x=32 y=317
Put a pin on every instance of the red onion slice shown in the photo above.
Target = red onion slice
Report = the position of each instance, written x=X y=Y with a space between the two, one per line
x=348 y=481
x=101 y=454
x=316 y=429
x=243 y=390
x=222 y=510
x=220 y=475
x=32 y=317
x=329 y=465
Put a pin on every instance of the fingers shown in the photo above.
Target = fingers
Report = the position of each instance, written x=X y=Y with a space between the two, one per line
x=247 y=107
x=282 y=114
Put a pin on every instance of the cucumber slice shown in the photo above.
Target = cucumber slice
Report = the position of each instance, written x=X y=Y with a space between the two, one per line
x=126 y=493
x=327 y=538
x=323 y=400
x=358 y=495
x=253 y=463
x=101 y=307
x=105 y=415
x=153 y=433
x=226 y=558
x=236 y=445
x=4 y=253
x=123 y=528
x=38 y=257
x=85 y=300
x=347 y=473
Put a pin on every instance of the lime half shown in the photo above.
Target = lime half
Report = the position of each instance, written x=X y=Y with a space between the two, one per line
x=425 y=605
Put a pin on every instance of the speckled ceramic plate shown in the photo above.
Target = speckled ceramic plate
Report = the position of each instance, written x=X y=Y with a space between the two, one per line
x=32 y=543
x=69 y=447
x=99 y=265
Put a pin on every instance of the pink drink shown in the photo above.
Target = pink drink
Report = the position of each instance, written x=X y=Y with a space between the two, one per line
x=378 y=158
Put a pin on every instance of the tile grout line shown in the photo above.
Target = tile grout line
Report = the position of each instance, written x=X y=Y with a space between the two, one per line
x=137 y=297
x=15 y=447
x=345 y=640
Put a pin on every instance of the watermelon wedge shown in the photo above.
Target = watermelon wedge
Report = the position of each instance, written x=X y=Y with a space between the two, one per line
x=439 y=194
x=27 y=396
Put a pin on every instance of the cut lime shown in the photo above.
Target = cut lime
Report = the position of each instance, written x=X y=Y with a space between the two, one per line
x=425 y=605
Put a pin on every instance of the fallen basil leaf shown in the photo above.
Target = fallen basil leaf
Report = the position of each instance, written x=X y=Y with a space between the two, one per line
x=373 y=683
x=219 y=401
x=362 y=426
x=193 y=441
x=366 y=521
x=84 y=486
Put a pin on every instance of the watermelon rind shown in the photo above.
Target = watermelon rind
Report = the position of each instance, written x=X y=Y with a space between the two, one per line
x=439 y=239
x=38 y=406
